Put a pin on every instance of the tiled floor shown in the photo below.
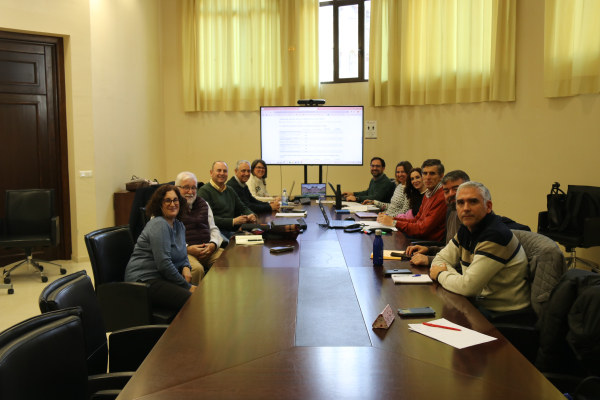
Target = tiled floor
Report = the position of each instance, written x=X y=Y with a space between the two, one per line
x=27 y=284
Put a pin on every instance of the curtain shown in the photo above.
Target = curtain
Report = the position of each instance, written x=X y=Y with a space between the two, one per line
x=571 y=47
x=441 y=51
x=239 y=55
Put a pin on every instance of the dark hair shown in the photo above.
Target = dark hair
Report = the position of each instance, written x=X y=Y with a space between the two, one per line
x=154 y=206
x=380 y=159
x=454 y=176
x=412 y=194
x=434 y=162
x=255 y=163
x=404 y=164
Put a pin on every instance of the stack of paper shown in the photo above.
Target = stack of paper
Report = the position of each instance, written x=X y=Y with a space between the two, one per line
x=249 y=240
x=418 y=278
x=459 y=339
x=291 y=215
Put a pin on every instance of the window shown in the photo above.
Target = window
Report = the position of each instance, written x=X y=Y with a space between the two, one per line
x=344 y=40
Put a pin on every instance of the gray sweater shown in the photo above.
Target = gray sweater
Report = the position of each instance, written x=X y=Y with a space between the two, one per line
x=160 y=253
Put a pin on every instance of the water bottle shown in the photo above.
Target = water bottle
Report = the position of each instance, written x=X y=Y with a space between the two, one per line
x=378 y=248
x=284 y=198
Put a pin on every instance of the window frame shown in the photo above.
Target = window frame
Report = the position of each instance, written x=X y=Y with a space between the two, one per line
x=336 y=48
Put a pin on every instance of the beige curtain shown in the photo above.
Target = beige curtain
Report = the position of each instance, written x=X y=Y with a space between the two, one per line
x=239 y=55
x=571 y=47
x=441 y=51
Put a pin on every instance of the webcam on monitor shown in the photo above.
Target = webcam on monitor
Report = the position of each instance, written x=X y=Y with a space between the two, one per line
x=311 y=102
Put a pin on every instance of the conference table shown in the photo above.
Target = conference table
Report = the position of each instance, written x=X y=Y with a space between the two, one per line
x=298 y=325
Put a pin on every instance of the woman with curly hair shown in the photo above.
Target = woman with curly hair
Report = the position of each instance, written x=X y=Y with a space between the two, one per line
x=160 y=255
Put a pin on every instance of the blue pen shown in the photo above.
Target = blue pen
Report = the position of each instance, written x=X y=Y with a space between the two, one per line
x=416 y=275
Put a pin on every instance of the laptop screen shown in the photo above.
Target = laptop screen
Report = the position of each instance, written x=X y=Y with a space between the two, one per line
x=313 y=189
x=324 y=213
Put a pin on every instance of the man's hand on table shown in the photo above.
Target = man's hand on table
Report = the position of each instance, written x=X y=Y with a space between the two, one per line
x=350 y=198
x=274 y=205
x=242 y=219
x=418 y=255
x=385 y=219
x=436 y=269
x=251 y=218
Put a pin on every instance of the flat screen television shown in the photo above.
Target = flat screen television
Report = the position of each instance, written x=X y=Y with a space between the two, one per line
x=324 y=135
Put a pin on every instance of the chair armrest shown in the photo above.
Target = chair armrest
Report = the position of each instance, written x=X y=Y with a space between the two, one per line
x=542 y=221
x=55 y=231
x=591 y=232
x=129 y=347
x=525 y=317
x=2 y=233
x=100 y=382
x=428 y=243
x=106 y=395
x=124 y=304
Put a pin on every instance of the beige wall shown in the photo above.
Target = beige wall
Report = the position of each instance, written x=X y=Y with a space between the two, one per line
x=517 y=149
x=128 y=108
x=71 y=20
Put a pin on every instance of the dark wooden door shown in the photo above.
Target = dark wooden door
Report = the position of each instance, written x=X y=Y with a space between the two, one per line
x=33 y=139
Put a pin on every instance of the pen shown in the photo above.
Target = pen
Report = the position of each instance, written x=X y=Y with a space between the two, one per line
x=416 y=275
x=440 y=326
x=254 y=240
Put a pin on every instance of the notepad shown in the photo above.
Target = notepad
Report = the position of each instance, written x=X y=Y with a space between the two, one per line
x=249 y=240
x=460 y=339
x=387 y=254
x=363 y=214
x=422 y=278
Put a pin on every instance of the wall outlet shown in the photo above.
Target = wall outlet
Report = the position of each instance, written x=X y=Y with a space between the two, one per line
x=85 y=174
x=370 y=129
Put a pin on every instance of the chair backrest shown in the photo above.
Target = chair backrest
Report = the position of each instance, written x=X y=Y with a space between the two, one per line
x=76 y=290
x=109 y=250
x=44 y=358
x=29 y=212
x=143 y=217
x=582 y=202
x=546 y=266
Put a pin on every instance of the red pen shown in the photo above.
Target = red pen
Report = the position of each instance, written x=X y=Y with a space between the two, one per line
x=440 y=326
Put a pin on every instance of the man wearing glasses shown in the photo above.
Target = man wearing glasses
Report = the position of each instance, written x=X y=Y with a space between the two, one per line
x=380 y=187
x=201 y=234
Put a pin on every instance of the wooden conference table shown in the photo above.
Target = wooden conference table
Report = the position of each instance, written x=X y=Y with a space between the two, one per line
x=298 y=326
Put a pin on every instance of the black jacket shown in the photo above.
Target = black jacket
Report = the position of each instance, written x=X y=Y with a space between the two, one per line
x=246 y=197
x=571 y=324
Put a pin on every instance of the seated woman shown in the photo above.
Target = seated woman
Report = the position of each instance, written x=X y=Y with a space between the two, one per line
x=160 y=255
x=414 y=190
x=399 y=203
x=257 y=182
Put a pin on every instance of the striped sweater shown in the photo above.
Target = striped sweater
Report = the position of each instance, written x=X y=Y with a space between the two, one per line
x=494 y=265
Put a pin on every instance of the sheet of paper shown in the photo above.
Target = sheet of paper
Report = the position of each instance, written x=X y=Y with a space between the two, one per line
x=376 y=225
x=325 y=201
x=362 y=214
x=249 y=240
x=291 y=215
x=459 y=339
x=405 y=278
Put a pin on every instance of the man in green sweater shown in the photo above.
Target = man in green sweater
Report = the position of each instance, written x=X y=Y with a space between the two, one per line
x=380 y=187
x=229 y=211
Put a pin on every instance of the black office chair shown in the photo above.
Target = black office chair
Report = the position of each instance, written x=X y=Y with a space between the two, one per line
x=44 y=358
x=582 y=226
x=30 y=221
x=143 y=217
x=128 y=348
x=123 y=304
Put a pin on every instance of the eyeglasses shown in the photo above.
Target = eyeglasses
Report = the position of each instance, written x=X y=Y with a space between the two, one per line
x=168 y=202
x=263 y=168
x=188 y=188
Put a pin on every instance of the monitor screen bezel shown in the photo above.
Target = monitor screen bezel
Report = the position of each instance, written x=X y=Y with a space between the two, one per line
x=362 y=142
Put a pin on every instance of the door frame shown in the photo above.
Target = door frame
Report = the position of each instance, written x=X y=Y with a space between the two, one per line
x=60 y=123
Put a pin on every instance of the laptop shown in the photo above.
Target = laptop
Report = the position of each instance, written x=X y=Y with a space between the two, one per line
x=335 y=224
x=313 y=190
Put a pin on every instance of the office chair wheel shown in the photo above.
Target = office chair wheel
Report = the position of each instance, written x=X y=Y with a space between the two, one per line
x=11 y=291
x=7 y=280
x=44 y=279
x=41 y=267
x=63 y=271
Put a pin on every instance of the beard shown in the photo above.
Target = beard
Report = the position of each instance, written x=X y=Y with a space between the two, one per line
x=452 y=203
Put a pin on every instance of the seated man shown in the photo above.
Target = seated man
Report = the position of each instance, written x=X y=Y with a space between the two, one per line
x=201 y=234
x=238 y=183
x=430 y=221
x=380 y=187
x=229 y=211
x=494 y=264
x=424 y=255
